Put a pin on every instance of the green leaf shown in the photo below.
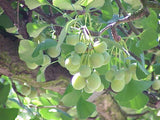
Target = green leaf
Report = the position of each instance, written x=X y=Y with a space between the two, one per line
x=66 y=5
x=141 y=72
x=85 y=108
x=4 y=92
x=111 y=43
x=66 y=48
x=134 y=48
x=137 y=102
x=107 y=11
x=132 y=89
x=95 y=4
x=34 y=29
x=148 y=39
x=45 y=101
x=101 y=70
x=50 y=114
x=64 y=32
x=156 y=68
x=44 y=45
x=35 y=3
x=8 y=113
x=71 y=98
x=35 y=118
x=25 y=51
x=5 y=21
x=151 y=21
x=105 y=82
x=84 y=2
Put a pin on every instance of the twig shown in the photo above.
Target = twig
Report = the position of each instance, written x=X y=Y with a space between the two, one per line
x=123 y=31
x=126 y=14
x=15 y=89
x=137 y=115
x=126 y=19
x=18 y=14
x=6 y=6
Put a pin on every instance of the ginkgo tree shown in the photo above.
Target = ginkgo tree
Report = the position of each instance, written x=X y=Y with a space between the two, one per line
x=79 y=59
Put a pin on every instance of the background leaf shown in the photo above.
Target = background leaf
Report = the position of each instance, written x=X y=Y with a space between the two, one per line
x=132 y=89
x=4 y=92
x=148 y=39
x=85 y=108
x=35 y=3
x=8 y=113
x=49 y=114
x=34 y=29
x=137 y=102
x=71 y=98
x=25 y=51
x=44 y=45
x=66 y=5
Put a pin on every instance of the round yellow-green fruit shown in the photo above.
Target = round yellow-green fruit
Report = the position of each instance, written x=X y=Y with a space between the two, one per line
x=107 y=57
x=87 y=90
x=109 y=75
x=101 y=88
x=128 y=76
x=93 y=81
x=117 y=85
x=78 y=82
x=25 y=90
x=156 y=85
x=75 y=58
x=85 y=71
x=96 y=60
x=100 y=47
x=80 y=47
x=120 y=75
x=72 y=39
x=53 y=51
x=69 y=66
x=33 y=94
x=31 y=65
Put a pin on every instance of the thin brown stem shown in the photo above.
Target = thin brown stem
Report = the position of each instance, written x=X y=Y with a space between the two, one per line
x=126 y=19
x=126 y=14
x=137 y=115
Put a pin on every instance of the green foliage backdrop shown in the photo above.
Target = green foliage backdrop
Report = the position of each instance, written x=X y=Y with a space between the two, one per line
x=106 y=46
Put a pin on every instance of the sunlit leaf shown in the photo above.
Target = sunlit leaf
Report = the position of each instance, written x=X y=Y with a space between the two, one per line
x=49 y=113
x=34 y=29
x=132 y=89
x=35 y=3
x=25 y=51
x=66 y=5
x=96 y=4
